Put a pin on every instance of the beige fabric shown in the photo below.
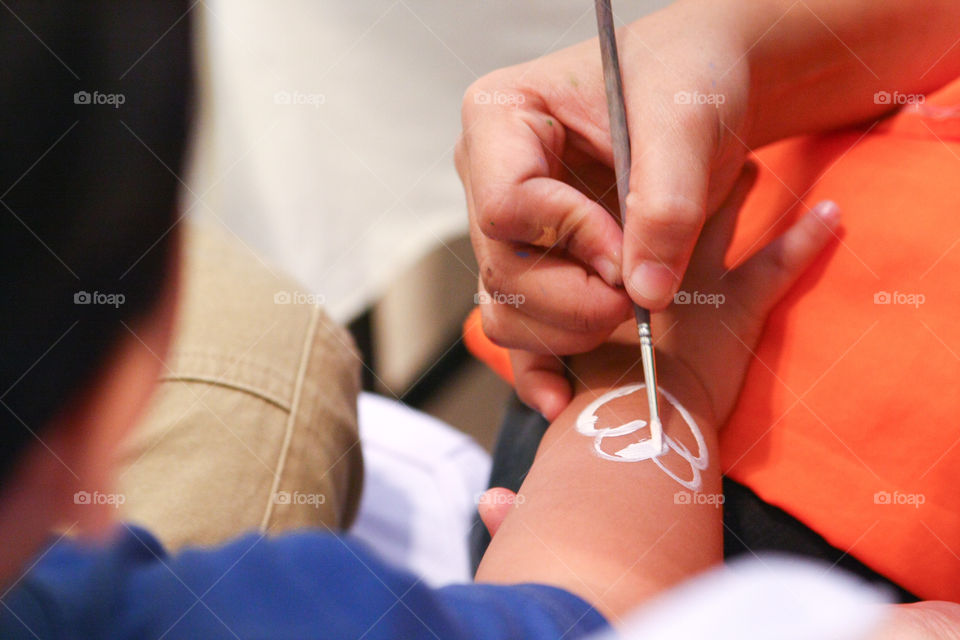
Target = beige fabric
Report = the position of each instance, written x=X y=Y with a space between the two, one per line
x=314 y=147
x=254 y=425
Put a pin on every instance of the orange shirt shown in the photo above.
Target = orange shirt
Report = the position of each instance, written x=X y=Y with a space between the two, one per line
x=850 y=414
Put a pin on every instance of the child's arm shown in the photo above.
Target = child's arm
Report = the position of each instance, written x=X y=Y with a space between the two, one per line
x=818 y=65
x=616 y=532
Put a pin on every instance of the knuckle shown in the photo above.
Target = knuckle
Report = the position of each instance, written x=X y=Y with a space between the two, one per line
x=670 y=210
x=671 y=221
x=494 y=277
x=470 y=96
x=777 y=262
x=589 y=317
x=478 y=93
x=493 y=326
x=570 y=232
x=501 y=331
x=496 y=210
x=460 y=156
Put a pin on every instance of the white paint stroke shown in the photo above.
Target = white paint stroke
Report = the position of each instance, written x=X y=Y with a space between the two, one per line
x=645 y=449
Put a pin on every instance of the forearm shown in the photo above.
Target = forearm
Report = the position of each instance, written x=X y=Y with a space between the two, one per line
x=614 y=532
x=816 y=65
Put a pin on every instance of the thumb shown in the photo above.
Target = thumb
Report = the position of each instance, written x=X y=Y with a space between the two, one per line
x=494 y=506
x=763 y=279
x=541 y=383
x=666 y=210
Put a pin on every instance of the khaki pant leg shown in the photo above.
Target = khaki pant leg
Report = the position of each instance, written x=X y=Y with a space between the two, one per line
x=254 y=424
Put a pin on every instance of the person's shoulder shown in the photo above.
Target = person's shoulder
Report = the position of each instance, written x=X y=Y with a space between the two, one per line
x=524 y=610
x=286 y=586
x=73 y=583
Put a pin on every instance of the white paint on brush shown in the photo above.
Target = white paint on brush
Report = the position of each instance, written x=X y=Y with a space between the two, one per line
x=646 y=448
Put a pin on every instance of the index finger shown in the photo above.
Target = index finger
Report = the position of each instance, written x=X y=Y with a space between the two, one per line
x=513 y=157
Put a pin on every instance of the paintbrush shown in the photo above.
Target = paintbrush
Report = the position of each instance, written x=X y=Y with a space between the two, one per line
x=620 y=136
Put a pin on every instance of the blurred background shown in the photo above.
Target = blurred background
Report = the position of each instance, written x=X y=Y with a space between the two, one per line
x=325 y=144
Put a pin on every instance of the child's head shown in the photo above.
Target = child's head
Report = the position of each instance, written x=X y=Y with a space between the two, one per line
x=93 y=118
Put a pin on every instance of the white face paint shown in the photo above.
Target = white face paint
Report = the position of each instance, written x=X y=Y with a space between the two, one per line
x=645 y=449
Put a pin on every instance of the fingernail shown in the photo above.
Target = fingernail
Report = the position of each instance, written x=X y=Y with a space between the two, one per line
x=828 y=211
x=652 y=281
x=607 y=270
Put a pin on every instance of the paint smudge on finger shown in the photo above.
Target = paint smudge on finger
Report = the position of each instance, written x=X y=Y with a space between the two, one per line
x=547 y=238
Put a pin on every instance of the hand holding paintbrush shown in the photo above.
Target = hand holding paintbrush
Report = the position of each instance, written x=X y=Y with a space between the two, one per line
x=620 y=135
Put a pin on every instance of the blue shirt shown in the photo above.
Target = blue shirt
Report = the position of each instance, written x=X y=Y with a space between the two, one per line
x=301 y=585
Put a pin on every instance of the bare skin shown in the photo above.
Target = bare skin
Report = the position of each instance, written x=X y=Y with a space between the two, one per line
x=76 y=452
x=928 y=620
x=537 y=171
x=616 y=533
x=619 y=533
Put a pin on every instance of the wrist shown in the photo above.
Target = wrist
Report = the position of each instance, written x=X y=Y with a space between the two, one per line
x=749 y=40
x=617 y=364
x=707 y=44
x=743 y=28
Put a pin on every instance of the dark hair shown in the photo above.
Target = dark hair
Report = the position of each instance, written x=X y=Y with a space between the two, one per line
x=93 y=121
